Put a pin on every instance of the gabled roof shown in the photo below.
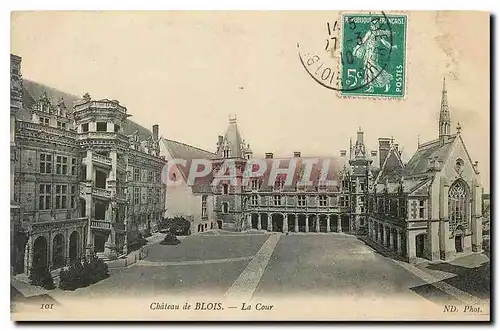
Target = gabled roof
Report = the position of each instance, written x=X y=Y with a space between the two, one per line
x=392 y=168
x=178 y=150
x=419 y=163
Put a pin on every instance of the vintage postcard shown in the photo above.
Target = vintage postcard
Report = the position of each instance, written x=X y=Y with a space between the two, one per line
x=250 y=166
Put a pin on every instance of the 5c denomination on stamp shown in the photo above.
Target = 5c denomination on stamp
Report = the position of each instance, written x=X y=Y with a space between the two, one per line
x=373 y=61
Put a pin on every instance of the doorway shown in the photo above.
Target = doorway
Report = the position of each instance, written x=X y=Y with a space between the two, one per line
x=459 y=244
x=420 y=245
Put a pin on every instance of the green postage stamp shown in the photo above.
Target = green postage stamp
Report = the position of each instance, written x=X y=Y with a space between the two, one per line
x=373 y=55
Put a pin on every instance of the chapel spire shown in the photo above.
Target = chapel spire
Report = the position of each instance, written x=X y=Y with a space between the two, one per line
x=444 y=116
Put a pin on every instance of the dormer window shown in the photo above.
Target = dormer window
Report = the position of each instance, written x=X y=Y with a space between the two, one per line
x=226 y=153
x=85 y=127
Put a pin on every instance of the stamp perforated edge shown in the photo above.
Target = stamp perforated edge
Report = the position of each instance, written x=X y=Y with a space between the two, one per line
x=339 y=63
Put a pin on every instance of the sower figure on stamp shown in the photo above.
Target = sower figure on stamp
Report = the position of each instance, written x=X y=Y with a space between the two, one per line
x=368 y=52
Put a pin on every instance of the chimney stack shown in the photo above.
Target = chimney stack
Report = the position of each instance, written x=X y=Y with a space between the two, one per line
x=296 y=154
x=384 y=145
x=155 y=132
x=269 y=155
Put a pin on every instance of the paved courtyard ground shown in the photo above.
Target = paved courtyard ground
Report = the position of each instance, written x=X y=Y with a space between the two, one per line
x=264 y=265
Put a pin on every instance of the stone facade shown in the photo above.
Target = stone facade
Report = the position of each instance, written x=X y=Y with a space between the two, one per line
x=428 y=207
x=73 y=185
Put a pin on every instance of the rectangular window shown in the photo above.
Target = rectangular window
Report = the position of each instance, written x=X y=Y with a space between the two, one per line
x=255 y=184
x=150 y=176
x=101 y=126
x=361 y=209
x=277 y=200
x=255 y=200
x=225 y=207
x=137 y=174
x=323 y=199
x=225 y=189
x=150 y=195
x=45 y=197
x=204 y=211
x=45 y=163
x=61 y=165
x=301 y=200
x=74 y=166
x=344 y=201
x=345 y=184
x=44 y=120
x=421 y=209
x=158 y=195
x=61 y=196
x=85 y=127
x=117 y=128
x=61 y=125
x=353 y=188
x=137 y=195
x=362 y=186
x=73 y=196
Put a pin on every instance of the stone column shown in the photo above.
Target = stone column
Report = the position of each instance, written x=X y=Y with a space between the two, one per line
x=49 y=250
x=259 y=222
x=269 y=222
x=285 y=223
x=316 y=217
x=384 y=235
x=307 y=224
x=66 y=247
x=249 y=221
x=339 y=224
x=89 y=176
x=410 y=247
x=391 y=239
x=328 y=223
x=379 y=237
x=399 y=243
x=296 y=225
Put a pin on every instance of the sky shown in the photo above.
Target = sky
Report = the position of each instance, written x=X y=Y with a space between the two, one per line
x=188 y=71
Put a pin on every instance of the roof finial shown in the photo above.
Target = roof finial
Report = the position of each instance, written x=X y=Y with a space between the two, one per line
x=418 y=140
x=232 y=119
x=459 y=128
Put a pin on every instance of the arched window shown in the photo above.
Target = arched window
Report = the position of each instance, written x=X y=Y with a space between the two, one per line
x=225 y=207
x=458 y=205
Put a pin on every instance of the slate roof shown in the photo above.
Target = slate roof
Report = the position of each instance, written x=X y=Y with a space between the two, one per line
x=418 y=164
x=335 y=167
x=33 y=90
x=178 y=150
x=233 y=139
x=392 y=168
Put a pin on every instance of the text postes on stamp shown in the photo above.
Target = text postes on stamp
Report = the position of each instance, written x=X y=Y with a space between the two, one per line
x=373 y=50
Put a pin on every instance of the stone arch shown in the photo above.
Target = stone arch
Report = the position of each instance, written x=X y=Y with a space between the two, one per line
x=291 y=222
x=277 y=220
x=40 y=251
x=255 y=220
x=58 y=251
x=322 y=219
x=301 y=220
x=74 y=245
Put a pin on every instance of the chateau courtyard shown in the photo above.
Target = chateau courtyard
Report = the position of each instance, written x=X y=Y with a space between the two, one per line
x=253 y=266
